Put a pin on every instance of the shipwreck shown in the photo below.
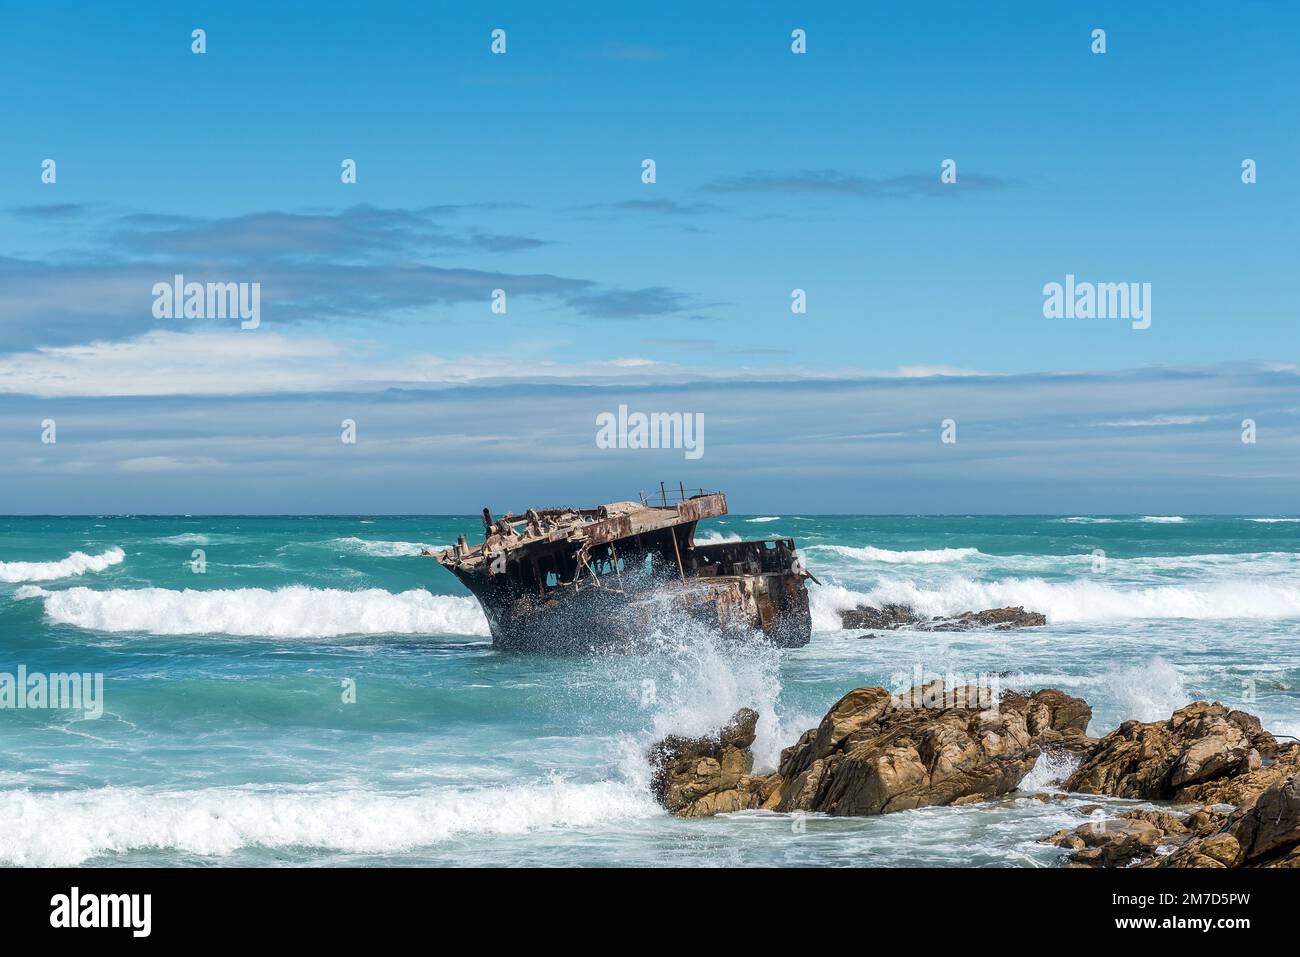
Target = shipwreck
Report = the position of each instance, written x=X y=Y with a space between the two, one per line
x=571 y=579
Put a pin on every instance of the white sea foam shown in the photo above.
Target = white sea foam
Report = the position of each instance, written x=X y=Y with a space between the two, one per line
x=78 y=563
x=292 y=612
x=69 y=827
x=1073 y=601
x=927 y=556
x=765 y=518
x=1088 y=520
x=1272 y=521
x=1163 y=519
x=185 y=538
x=375 y=549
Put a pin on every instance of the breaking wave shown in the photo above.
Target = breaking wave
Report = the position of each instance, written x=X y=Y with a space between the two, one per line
x=78 y=563
x=1067 y=602
x=715 y=538
x=292 y=612
x=362 y=546
x=1272 y=521
x=928 y=556
x=1097 y=520
x=765 y=518
x=67 y=828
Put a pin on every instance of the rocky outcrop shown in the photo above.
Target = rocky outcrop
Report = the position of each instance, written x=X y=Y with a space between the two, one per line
x=1205 y=754
x=893 y=617
x=1200 y=748
x=873 y=753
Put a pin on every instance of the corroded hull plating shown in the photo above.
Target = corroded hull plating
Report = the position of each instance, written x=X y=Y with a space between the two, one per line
x=774 y=607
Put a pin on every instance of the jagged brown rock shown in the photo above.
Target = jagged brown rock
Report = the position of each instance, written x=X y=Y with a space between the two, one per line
x=873 y=752
x=1054 y=718
x=1240 y=788
x=1269 y=826
x=1164 y=760
x=699 y=777
x=1205 y=754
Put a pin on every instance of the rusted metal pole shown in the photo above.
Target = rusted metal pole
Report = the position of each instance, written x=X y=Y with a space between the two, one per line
x=617 y=571
x=680 y=569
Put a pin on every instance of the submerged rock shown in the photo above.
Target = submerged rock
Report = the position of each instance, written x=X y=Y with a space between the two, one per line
x=1001 y=619
x=1264 y=832
x=888 y=618
x=873 y=752
x=893 y=617
x=1113 y=842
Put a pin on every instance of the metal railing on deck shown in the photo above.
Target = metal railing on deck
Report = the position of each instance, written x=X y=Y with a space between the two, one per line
x=668 y=496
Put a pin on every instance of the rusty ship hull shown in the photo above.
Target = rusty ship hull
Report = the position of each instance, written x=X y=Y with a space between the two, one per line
x=566 y=580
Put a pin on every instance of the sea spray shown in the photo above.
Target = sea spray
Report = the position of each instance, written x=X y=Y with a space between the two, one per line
x=1148 y=692
x=685 y=678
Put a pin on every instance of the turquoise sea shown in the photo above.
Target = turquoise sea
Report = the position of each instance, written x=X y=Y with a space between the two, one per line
x=226 y=738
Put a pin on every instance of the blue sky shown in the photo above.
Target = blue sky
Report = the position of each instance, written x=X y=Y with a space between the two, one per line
x=774 y=172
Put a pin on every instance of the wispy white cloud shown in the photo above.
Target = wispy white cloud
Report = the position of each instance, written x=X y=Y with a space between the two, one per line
x=262 y=362
x=1025 y=442
x=1157 y=420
